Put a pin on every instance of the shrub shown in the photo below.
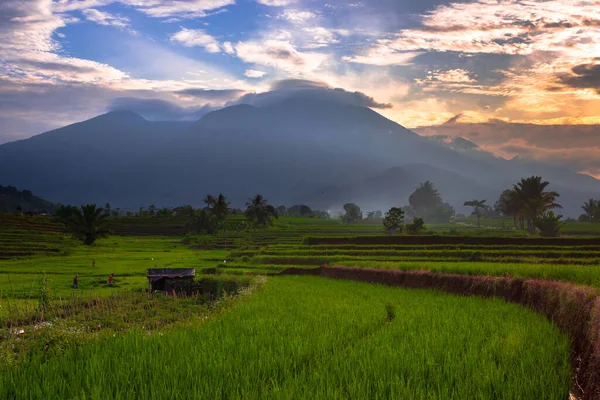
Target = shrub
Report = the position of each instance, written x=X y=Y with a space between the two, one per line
x=548 y=224
x=416 y=226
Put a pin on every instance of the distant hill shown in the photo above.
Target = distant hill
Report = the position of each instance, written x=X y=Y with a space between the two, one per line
x=321 y=153
x=13 y=200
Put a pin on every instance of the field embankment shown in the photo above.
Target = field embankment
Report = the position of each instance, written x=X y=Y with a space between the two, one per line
x=575 y=309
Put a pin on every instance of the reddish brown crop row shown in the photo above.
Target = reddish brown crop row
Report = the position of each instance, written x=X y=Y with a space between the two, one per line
x=574 y=309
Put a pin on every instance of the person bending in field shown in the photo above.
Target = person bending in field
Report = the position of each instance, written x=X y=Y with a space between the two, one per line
x=110 y=279
x=75 y=281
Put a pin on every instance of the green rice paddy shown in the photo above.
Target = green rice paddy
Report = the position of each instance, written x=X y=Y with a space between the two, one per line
x=313 y=338
x=296 y=337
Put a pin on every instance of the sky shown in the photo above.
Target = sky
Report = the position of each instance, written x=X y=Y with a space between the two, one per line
x=421 y=62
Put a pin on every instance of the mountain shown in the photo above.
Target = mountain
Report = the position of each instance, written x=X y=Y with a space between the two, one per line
x=322 y=153
x=87 y=161
x=395 y=185
x=13 y=200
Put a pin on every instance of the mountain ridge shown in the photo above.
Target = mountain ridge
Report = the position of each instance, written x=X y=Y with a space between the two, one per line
x=288 y=151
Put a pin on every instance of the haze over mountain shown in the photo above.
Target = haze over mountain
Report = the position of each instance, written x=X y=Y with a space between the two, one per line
x=301 y=147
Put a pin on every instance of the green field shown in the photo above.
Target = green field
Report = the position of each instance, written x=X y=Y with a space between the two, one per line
x=316 y=338
x=293 y=337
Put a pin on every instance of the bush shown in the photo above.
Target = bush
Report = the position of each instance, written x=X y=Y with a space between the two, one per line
x=416 y=226
x=548 y=224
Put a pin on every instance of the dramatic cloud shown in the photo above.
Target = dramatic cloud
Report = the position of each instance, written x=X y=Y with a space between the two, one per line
x=575 y=147
x=196 y=37
x=417 y=62
x=583 y=76
x=318 y=91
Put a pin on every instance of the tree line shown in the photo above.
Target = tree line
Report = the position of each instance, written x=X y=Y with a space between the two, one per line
x=528 y=202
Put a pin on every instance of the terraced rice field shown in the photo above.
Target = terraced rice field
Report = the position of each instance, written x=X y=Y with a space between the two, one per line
x=22 y=236
x=300 y=337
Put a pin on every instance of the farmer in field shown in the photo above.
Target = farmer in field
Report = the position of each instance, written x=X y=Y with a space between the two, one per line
x=75 y=280
x=110 y=279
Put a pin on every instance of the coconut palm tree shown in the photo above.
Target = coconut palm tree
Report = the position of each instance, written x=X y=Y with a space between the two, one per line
x=533 y=198
x=477 y=206
x=89 y=223
x=258 y=211
x=210 y=201
x=592 y=210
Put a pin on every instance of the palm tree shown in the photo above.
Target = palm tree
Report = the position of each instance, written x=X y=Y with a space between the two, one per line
x=220 y=207
x=258 y=211
x=533 y=198
x=592 y=209
x=477 y=205
x=89 y=223
x=210 y=201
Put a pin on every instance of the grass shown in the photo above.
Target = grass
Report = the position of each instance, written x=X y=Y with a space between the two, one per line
x=307 y=337
x=127 y=257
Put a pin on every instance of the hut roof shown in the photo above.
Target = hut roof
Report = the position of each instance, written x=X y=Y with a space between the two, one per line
x=155 y=274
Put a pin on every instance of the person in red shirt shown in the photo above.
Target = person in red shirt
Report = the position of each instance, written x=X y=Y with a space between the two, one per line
x=110 y=279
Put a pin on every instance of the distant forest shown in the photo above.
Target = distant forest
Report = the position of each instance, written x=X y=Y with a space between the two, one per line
x=15 y=200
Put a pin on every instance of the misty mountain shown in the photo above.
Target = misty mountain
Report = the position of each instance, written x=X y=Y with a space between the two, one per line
x=322 y=153
x=395 y=185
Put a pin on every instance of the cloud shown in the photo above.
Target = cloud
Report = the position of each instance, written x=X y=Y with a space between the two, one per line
x=306 y=89
x=512 y=27
x=320 y=37
x=383 y=56
x=228 y=48
x=583 y=76
x=104 y=18
x=277 y=3
x=297 y=16
x=158 y=109
x=196 y=37
x=573 y=146
x=212 y=96
x=280 y=54
x=152 y=8
x=450 y=76
x=252 y=73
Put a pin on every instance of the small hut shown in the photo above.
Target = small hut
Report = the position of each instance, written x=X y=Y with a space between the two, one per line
x=169 y=279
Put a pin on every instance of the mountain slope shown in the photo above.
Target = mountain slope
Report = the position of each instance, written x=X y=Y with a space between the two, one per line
x=319 y=152
x=12 y=200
